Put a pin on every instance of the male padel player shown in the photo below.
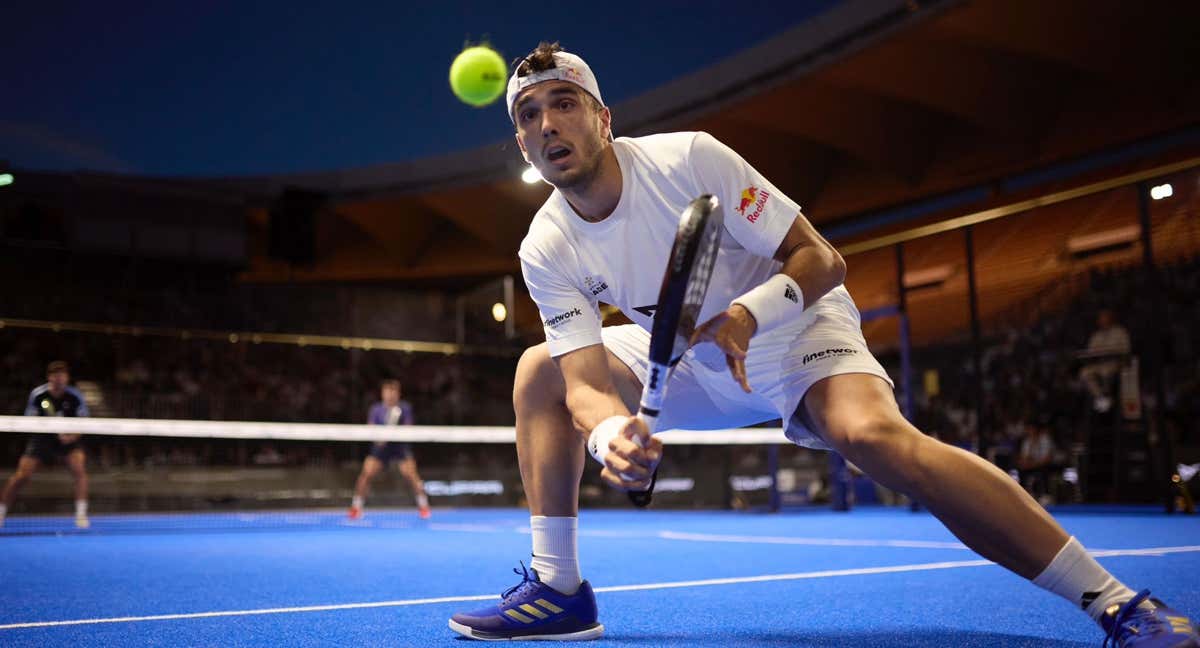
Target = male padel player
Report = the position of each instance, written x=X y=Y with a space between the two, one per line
x=390 y=410
x=54 y=398
x=781 y=339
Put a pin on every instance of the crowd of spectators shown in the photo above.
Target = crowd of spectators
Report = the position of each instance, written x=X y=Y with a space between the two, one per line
x=157 y=377
x=1049 y=384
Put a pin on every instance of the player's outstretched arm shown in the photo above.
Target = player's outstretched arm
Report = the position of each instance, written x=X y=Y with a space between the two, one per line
x=811 y=268
x=630 y=453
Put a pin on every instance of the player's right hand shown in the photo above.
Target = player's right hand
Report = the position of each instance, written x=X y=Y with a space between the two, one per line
x=633 y=455
x=731 y=331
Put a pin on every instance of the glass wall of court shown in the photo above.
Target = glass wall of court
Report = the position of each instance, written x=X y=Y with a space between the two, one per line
x=986 y=324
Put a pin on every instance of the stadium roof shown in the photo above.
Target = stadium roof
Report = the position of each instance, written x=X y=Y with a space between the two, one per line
x=871 y=106
x=871 y=115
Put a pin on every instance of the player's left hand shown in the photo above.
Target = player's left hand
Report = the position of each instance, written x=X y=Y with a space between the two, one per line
x=731 y=331
x=632 y=457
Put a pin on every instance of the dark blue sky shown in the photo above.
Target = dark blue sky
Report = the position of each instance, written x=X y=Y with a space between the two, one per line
x=200 y=88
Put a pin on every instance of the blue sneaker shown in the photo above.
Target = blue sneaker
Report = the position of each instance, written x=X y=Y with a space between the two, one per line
x=533 y=610
x=1130 y=626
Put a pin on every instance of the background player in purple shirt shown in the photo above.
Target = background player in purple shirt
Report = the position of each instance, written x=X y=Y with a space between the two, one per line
x=390 y=410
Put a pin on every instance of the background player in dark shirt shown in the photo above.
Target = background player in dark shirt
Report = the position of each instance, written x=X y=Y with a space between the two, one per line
x=389 y=411
x=55 y=398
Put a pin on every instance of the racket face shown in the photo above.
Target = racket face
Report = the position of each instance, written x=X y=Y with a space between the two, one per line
x=685 y=282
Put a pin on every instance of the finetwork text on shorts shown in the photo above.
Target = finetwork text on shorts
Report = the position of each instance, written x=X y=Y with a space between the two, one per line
x=828 y=353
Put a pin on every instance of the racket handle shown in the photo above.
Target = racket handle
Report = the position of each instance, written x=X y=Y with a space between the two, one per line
x=649 y=417
x=642 y=499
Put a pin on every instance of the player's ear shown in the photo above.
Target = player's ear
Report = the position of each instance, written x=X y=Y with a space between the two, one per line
x=605 y=123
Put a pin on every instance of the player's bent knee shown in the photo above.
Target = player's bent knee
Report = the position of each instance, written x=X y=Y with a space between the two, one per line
x=537 y=378
x=866 y=437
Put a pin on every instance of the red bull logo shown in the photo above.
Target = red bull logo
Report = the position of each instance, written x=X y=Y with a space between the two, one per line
x=753 y=197
x=747 y=199
x=573 y=75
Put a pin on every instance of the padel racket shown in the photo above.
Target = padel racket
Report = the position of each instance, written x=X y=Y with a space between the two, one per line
x=685 y=281
x=64 y=438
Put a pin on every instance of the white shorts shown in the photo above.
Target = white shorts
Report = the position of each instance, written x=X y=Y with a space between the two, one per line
x=780 y=366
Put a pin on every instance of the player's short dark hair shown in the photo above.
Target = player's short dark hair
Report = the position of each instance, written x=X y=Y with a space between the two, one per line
x=57 y=366
x=542 y=59
x=390 y=382
x=539 y=60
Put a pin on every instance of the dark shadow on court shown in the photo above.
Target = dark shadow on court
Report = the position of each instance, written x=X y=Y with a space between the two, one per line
x=876 y=639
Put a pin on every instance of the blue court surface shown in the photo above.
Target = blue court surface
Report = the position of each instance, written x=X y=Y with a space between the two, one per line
x=875 y=577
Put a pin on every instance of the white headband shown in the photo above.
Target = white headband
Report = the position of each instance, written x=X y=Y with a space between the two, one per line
x=567 y=67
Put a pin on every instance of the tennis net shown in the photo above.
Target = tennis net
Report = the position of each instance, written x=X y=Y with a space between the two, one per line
x=167 y=474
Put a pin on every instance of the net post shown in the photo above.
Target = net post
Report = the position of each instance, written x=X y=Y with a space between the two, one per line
x=976 y=340
x=773 y=497
x=1161 y=444
x=906 y=404
x=510 y=326
x=840 y=482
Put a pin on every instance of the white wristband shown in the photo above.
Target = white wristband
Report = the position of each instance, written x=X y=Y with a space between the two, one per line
x=602 y=435
x=773 y=302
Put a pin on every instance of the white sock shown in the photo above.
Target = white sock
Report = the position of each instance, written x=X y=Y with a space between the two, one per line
x=3 y=511
x=80 y=508
x=1077 y=577
x=555 y=552
x=422 y=500
x=356 y=502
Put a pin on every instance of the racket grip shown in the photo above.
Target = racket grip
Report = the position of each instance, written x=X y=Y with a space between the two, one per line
x=649 y=417
x=642 y=499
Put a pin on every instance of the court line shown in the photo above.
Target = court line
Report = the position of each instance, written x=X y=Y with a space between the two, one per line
x=1152 y=551
x=710 y=582
x=824 y=542
x=784 y=540
x=231 y=613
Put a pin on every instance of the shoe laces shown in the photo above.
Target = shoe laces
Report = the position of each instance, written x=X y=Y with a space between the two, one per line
x=1130 y=619
x=526 y=581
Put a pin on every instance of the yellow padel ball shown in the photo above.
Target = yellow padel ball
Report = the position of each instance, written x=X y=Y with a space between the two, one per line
x=478 y=76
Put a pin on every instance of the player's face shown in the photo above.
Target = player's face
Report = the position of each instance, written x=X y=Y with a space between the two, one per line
x=58 y=380
x=390 y=395
x=560 y=133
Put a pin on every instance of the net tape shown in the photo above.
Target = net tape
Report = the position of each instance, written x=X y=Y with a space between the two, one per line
x=340 y=432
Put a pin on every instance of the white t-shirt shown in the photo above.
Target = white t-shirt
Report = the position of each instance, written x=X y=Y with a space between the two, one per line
x=571 y=265
x=1114 y=339
x=1039 y=449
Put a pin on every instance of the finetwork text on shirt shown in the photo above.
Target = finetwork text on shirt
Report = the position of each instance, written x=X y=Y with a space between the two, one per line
x=562 y=317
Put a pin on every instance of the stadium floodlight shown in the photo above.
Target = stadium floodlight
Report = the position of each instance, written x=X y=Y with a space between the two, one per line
x=531 y=175
x=499 y=312
x=7 y=179
x=1162 y=191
